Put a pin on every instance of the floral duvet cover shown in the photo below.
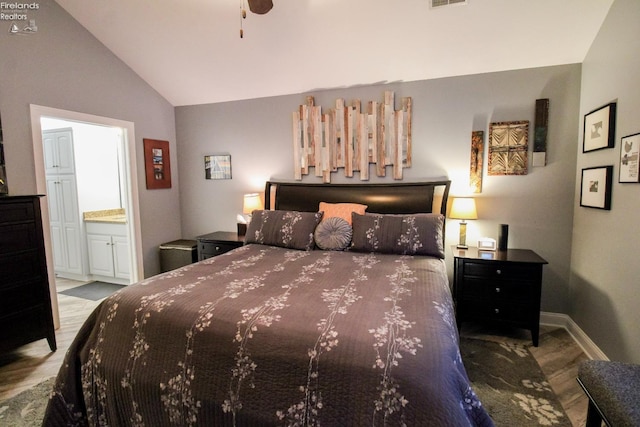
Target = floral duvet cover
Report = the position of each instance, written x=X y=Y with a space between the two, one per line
x=269 y=336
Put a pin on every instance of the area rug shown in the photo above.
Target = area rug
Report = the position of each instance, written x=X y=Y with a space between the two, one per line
x=93 y=290
x=27 y=408
x=510 y=384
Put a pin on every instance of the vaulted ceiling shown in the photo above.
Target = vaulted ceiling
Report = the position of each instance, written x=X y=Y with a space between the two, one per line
x=191 y=52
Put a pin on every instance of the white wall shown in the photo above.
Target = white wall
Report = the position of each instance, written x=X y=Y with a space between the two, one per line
x=538 y=207
x=605 y=272
x=63 y=66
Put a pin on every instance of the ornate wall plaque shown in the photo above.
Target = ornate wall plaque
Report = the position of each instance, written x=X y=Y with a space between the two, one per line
x=508 y=147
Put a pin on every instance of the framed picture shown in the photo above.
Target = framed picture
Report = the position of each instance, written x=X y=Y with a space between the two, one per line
x=217 y=166
x=595 y=191
x=629 y=153
x=599 y=128
x=157 y=164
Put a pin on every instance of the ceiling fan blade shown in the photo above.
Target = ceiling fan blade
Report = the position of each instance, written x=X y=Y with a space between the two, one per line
x=260 y=6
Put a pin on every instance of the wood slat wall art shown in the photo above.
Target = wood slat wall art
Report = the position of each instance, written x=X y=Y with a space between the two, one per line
x=477 y=159
x=351 y=138
x=508 y=147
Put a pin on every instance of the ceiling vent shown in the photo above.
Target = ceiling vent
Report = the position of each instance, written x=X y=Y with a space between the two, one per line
x=440 y=3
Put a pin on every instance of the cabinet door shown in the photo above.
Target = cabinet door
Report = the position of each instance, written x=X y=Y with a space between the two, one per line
x=56 y=225
x=58 y=151
x=100 y=255
x=121 y=259
x=71 y=223
x=64 y=221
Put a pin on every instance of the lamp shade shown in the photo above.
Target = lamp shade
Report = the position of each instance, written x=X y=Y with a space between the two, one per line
x=463 y=208
x=251 y=202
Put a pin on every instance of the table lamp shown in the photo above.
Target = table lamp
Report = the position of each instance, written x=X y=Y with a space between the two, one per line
x=251 y=203
x=463 y=208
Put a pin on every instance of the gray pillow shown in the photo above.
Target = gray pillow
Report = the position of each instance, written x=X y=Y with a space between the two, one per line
x=287 y=229
x=333 y=234
x=416 y=234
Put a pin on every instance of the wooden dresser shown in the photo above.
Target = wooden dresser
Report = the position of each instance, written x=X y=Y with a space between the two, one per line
x=498 y=286
x=25 y=302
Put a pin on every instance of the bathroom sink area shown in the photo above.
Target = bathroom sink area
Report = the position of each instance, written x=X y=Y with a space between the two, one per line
x=114 y=216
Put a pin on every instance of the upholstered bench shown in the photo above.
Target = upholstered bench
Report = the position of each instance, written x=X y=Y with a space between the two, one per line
x=613 y=389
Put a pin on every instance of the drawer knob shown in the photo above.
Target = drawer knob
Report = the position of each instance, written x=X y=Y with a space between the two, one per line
x=217 y=248
x=497 y=310
x=498 y=271
x=497 y=290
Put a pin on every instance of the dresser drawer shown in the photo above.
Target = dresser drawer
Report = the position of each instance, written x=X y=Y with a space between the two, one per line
x=19 y=267
x=499 y=311
x=24 y=326
x=507 y=270
x=16 y=211
x=20 y=295
x=498 y=289
x=17 y=237
x=211 y=249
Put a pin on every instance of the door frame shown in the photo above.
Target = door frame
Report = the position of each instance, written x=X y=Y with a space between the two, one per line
x=129 y=173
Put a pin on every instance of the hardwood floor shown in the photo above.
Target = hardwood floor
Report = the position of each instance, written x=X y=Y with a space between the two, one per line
x=35 y=362
x=558 y=355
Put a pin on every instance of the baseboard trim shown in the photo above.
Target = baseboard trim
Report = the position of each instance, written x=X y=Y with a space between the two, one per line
x=580 y=337
x=72 y=276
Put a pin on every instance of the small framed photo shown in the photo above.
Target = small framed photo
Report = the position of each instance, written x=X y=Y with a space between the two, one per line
x=595 y=191
x=217 y=166
x=157 y=164
x=599 y=128
x=629 y=153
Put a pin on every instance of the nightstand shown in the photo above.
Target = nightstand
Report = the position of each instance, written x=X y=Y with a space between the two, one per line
x=216 y=243
x=498 y=286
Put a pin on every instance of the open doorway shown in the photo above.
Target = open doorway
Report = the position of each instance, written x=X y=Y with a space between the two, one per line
x=45 y=119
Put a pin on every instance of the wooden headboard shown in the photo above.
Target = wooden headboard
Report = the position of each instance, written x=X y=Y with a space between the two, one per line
x=386 y=198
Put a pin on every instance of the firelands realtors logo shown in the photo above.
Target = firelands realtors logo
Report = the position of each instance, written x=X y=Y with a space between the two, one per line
x=18 y=16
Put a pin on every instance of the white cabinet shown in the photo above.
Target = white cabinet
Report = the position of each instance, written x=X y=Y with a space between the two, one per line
x=121 y=258
x=58 y=151
x=108 y=251
x=100 y=255
x=64 y=221
x=62 y=197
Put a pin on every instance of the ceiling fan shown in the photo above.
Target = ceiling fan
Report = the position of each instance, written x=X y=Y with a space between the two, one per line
x=259 y=7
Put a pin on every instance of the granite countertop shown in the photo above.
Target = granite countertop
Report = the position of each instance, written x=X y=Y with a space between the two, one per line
x=114 y=216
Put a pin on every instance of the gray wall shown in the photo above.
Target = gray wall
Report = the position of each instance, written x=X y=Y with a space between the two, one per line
x=605 y=272
x=63 y=66
x=538 y=207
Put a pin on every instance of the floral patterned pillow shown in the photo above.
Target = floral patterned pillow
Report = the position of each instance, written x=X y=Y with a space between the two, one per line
x=416 y=234
x=287 y=229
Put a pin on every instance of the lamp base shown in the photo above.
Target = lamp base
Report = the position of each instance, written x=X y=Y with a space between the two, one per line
x=463 y=236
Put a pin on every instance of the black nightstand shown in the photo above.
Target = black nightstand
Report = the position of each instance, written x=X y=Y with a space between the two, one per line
x=216 y=243
x=499 y=286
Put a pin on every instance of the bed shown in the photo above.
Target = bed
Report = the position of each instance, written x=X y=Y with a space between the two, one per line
x=293 y=328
